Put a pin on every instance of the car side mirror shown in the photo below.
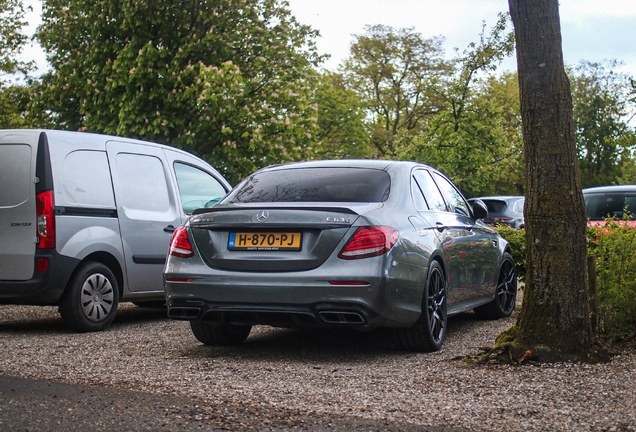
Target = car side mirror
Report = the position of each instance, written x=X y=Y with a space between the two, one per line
x=480 y=210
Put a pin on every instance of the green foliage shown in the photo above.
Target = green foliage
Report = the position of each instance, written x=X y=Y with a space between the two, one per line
x=12 y=40
x=229 y=80
x=603 y=107
x=474 y=137
x=396 y=73
x=13 y=96
x=517 y=240
x=342 y=132
x=14 y=100
x=614 y=246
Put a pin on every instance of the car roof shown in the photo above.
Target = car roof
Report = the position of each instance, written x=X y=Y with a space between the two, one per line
x=345 y=163
x=501 y=197
x=610 y=189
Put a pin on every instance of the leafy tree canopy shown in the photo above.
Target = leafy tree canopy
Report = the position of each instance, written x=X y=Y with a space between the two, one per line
x=229 y=80
x=475 y=137
x=342 y=129
x=13 y=95
x=396 y=72
x=603 y=108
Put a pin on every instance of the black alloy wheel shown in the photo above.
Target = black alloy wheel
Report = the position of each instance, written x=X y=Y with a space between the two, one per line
x=506 y=294
x=429 y=332
x=221 y=335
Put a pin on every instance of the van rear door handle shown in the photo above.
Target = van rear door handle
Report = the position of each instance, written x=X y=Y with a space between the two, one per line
x=169 y=229
x=440 y=226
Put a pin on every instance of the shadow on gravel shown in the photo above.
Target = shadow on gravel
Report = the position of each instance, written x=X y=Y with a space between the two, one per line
x=46 y=320
x=135 y=315
x=333 y=345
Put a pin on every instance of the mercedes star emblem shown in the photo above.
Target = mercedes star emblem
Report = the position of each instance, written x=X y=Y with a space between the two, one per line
x=262 y=215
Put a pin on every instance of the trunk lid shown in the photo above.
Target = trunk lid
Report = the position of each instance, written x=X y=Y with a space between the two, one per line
x=272 y=238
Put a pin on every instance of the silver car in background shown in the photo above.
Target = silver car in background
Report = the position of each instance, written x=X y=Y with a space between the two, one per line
x=504 y=210
x=351 y=243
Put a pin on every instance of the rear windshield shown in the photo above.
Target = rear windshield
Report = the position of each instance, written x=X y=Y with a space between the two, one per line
x=314 y=185
x=495 y=206
x=618 y=205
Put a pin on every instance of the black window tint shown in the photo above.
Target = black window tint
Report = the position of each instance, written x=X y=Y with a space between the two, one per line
x=418 y=197
x=495 y=206
x=314 y=185
x=601 y=206
x=455 y=200
x=430 y=190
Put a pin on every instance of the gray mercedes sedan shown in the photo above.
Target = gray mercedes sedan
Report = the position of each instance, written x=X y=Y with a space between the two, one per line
x=348 y=243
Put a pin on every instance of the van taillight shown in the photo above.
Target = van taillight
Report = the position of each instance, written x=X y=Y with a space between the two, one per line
x=41 y=265
x=180 y=244
x=45 y=210
x=369 y=241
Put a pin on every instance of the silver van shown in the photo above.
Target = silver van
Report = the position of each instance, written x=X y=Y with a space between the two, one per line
x=86 y=219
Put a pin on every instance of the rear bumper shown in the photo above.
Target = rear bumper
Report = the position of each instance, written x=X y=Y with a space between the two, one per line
x=295 y=301
x=43 y=289
x=277 y=315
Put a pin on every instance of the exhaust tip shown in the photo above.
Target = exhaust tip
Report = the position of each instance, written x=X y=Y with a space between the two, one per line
x=337 y=317
x=184 y=313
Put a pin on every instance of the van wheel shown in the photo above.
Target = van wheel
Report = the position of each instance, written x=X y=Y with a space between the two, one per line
x=150 y=304
x=90 y=300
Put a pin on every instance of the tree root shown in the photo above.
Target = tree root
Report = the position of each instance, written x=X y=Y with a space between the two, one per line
x=498 y=354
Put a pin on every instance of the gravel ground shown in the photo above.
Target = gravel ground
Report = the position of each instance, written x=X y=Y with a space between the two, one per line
x=283 y=379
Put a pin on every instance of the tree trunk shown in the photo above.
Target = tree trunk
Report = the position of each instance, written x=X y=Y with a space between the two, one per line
x=554 y=323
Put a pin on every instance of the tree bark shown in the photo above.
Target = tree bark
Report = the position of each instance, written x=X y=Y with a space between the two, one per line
x=554 y=322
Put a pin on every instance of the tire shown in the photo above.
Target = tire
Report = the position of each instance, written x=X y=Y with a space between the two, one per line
x=90 y=300
x=150 y=304
x=220 y=335
x=429 y=331
x=506 y=294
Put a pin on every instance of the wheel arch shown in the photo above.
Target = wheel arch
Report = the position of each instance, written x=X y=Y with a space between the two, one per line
x=109 y=261
x=440 y=260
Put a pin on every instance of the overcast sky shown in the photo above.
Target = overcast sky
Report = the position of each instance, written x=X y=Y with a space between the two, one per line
x=592 y=30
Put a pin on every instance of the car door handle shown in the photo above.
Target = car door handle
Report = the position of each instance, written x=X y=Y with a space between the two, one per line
x=468 y=227
x=440 y=226
x=169 y=229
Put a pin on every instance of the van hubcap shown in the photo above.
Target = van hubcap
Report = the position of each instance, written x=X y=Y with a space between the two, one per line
x=97 y=297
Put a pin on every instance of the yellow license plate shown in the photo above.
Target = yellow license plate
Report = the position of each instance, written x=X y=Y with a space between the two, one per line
x=264 y=241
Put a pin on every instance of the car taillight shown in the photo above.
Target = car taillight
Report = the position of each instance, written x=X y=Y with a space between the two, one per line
x=369 y=241
x=499 y=219
x=180 y=244
x=45 y=211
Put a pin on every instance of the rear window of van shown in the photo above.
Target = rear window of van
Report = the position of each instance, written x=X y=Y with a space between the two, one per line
x=15 y=174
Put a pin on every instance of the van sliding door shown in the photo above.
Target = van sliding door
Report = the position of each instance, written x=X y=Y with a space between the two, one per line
x=147 y=208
